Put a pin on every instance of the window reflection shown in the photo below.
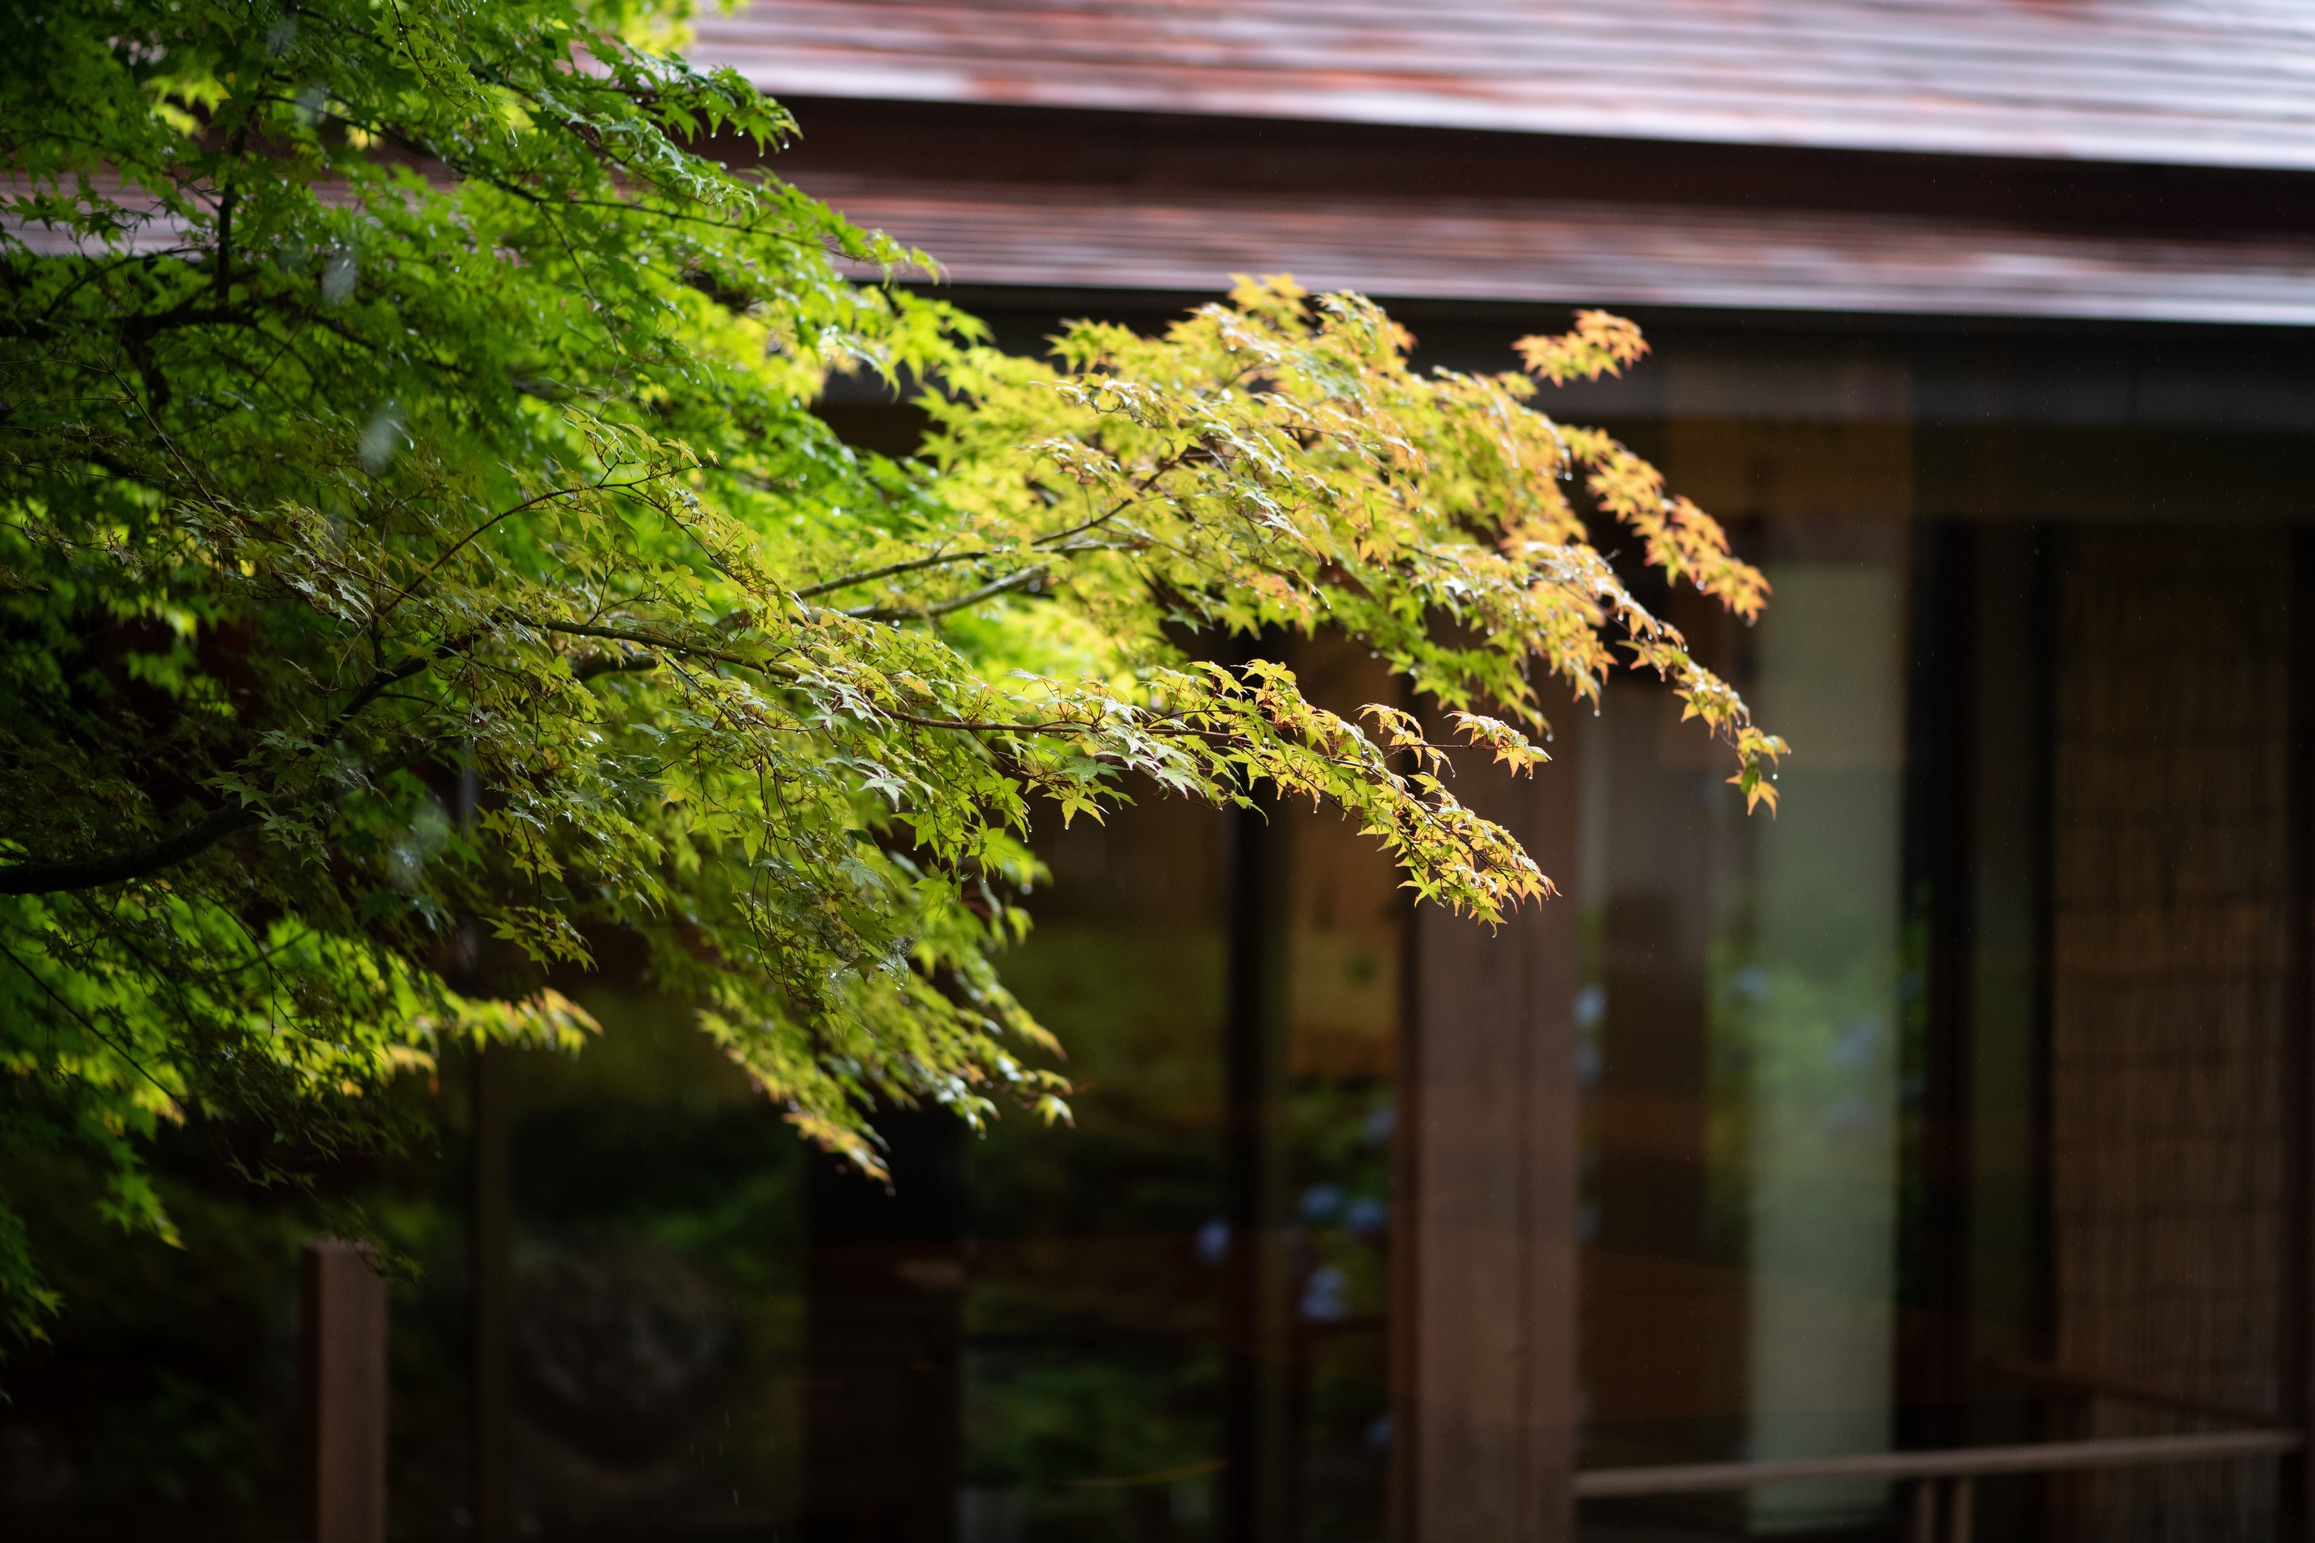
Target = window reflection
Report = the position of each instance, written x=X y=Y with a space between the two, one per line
x=1741 y=1029
x=1130 y=1342
x=1946 y=1109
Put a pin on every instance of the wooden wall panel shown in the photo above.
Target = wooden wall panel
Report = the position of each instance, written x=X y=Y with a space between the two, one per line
x=2170 y=985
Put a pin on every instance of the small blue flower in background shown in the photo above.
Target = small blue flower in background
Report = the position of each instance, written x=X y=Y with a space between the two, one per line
x=1322 y=1299
x=1380 y=1122
x=1857 y=1043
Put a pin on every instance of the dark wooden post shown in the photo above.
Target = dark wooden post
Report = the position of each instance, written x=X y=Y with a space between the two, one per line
x=884 y=1292
x=492 y=1392
x=2297 y=1332
x=1258 y=1481
x=1487 y=1312
x=490 y=1220
x=342 y=1322
x=1942 y=863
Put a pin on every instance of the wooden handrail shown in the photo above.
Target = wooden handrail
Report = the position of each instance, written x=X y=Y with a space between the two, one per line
x=1943 y=1463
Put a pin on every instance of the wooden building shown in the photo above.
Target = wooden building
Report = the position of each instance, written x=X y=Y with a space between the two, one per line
x=1932 y=1159
x=1930 y=1162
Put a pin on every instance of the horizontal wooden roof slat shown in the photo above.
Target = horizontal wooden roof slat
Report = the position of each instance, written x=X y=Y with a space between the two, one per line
x=2197 y=82
x=1577 y=253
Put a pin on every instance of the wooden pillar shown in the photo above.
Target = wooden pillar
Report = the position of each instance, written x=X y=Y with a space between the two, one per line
x=1486 y=1310
x=342 y=1322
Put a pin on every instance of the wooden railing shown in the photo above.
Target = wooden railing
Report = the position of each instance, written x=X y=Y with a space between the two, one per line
x=1949 y=1469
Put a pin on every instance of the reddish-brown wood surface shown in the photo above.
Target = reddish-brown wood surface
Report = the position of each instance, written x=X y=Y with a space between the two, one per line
x=2181 y=82
x=1575 y=252
x=1487 y=1273
x=343 y=1308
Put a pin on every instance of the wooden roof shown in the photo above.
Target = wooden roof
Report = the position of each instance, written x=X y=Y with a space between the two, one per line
x=2183 y=82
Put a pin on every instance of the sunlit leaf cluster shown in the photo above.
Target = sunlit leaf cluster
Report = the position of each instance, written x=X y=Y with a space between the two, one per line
x=422 y=575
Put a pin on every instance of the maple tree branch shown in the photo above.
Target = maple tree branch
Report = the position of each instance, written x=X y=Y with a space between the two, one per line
x=580 y=629
x=978 y=554
x=1021 y=580
x=1170 y=725
x=48 y=878
x=1139 y=489
x=604 y=486
x=894 y=570
x=88 y=873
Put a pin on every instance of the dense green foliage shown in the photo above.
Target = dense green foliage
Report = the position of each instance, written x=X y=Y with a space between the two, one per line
x=419 y=565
